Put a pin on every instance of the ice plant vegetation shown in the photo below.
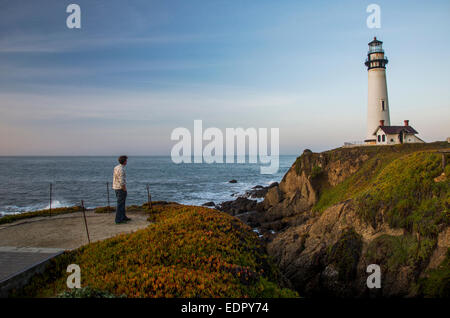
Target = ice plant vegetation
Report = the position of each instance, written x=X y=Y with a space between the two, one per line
x=186 y=251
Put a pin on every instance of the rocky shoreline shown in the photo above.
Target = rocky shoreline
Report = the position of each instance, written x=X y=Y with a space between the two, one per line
x=315 y=225
x=248 y=207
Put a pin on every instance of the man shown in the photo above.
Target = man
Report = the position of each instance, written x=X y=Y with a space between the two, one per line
x=120 y=187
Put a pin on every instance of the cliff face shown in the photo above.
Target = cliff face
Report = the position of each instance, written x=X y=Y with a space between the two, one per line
x=300 y=188
x=336 y=212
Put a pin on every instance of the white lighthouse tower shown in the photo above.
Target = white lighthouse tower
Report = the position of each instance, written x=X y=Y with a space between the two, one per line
x=378 y=104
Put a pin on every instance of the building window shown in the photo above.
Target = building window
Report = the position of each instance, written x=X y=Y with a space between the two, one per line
x=382 y=105
x=384 y=138
x=379 y=138
x=392 y=140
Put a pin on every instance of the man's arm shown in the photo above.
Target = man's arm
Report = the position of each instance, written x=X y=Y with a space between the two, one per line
x=123 y=181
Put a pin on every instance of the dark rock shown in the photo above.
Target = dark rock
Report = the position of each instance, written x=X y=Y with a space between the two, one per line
x=260 y=207
x=210 y=203
x=259 y=191
x=233 y=181
x=238 y=206
x=256 y=193
x=250 y=218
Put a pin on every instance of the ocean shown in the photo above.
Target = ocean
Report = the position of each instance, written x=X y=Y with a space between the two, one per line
x=25 y=181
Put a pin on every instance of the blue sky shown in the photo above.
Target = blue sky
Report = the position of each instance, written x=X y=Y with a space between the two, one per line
x=138 y=69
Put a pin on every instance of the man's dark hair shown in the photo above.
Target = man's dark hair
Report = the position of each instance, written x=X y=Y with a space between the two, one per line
x=122 y=159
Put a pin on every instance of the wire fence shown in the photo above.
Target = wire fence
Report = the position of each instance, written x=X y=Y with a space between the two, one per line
x=108 y=200
x=54 y=204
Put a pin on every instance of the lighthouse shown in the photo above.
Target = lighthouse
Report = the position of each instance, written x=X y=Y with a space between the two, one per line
x=378 y=104
x=379 y=129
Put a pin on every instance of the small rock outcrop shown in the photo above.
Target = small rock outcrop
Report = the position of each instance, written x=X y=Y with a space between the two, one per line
x=259 y=191
x=239 y=206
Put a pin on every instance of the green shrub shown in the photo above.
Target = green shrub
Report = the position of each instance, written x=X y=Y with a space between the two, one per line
x=397 y=251
x=345 y=254
x=436 y=283
x=316 y=172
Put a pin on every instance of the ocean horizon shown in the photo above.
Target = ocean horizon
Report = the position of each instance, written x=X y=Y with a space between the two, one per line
x=25 y=181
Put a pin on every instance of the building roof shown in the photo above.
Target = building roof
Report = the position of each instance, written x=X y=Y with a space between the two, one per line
x=391 y=130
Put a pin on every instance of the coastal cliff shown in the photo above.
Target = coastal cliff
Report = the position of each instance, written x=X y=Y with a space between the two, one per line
x=333 y=214
x=336 y=212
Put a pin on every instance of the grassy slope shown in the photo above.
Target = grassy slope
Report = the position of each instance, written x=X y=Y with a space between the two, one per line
x=396 y=185
x=407 y=195
x=398 y=180
x=187 y=252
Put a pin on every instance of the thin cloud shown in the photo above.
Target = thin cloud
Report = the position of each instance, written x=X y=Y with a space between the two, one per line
x=58 y=43
x=104 y=68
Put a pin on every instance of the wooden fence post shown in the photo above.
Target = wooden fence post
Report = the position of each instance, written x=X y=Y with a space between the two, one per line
x=85 y=221
x=107 y=191
x=50 y=204
x=149 y=197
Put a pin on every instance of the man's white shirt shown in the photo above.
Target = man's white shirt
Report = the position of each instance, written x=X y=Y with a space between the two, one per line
x=119 y=177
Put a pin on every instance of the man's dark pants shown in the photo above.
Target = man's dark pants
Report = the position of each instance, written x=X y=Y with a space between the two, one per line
x=120 y=211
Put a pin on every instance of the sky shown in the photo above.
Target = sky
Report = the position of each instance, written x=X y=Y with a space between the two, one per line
x=136 y=70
